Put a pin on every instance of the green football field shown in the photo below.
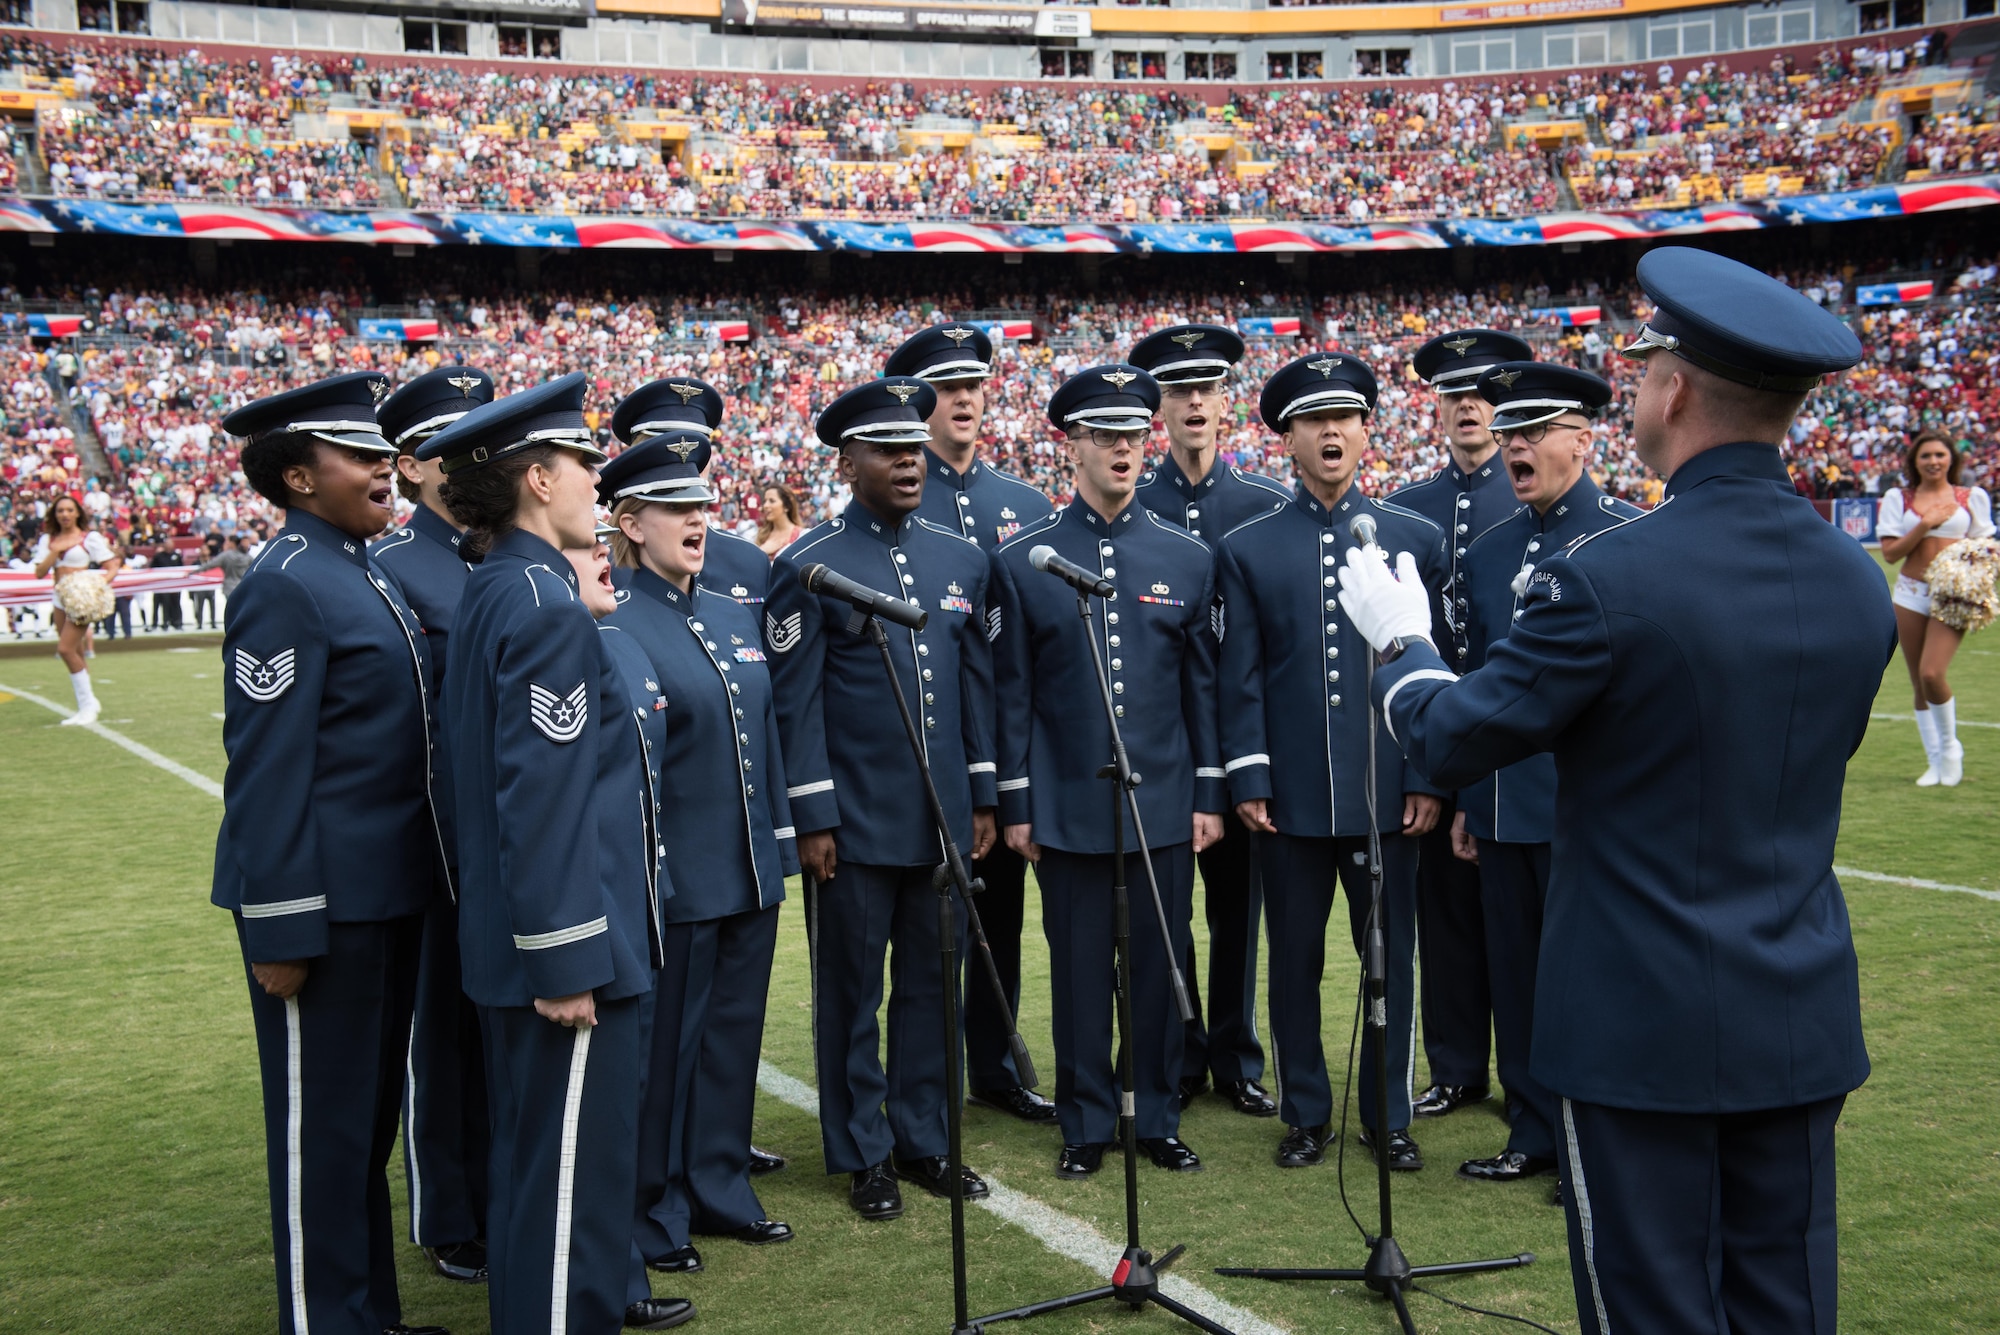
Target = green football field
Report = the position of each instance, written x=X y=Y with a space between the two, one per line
x=132 y=1193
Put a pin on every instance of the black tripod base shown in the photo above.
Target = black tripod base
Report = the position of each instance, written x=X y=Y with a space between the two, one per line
x=1135 y=1282
x=1388 y=1272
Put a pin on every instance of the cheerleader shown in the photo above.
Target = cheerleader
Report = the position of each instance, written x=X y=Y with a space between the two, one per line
x=1916 y=525
x=559 y=917
x=83 y=563
x=726 y=827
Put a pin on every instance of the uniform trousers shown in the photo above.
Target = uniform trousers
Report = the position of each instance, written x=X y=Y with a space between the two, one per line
x=1079 y=917
x=1691 y=1223
x=694 y=1158
x=862 y=912
x=331 y=1058
x=1452 y=938
x=1514 y=885
x=989 y=1060
x=559 y=1250
x=445 y=1137
x=1299 y=877
x=1227 y=1048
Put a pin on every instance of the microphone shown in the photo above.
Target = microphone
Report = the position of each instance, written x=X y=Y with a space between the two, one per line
x=1362 y=530
x=867 y=601
x=1044 y=559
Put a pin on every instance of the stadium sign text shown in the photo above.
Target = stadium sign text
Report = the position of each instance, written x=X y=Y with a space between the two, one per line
x=897 y=18
x=1530 y=9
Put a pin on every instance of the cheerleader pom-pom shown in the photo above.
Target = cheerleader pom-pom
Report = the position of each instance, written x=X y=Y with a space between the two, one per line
x=85 y=597
x=1962 y=585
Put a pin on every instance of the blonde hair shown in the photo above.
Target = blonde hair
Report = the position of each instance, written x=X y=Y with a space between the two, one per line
x=624 y=551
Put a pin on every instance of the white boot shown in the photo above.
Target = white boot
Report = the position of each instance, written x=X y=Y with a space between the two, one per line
x=1927 y=729
x=87 y=708
x=1951 y=752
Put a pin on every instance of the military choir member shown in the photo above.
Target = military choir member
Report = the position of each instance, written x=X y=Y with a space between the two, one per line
x=1465 y=497
x=329 y=853
x=973 y=498
x=867 y=839
x=1506 y=820
x=727 y=832
x=445 y=1143
x=559 y=914
x=1296 y=746
x=1193 y=488
x=1159 y=649
x=1702 y=676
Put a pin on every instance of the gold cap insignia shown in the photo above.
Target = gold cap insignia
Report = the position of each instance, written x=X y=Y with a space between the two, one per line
x=1120 y=378
x=1187 y=340
x=1324 y=366
x=956 y=335
x=688 y=393
x=903 y=393
x=464 y=384
x=682 y=448
x=1460 y=346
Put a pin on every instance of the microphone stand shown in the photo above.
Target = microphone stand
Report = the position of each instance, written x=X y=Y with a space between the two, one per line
x=1388 y=1271
x=951 y=873
x=1136 y=1279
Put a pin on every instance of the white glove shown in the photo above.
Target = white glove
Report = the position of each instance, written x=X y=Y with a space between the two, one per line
x=1383 y=606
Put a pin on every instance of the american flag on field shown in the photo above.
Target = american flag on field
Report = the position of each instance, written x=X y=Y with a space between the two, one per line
x=21 y=215
x=1570 y=317
x=1018 y=330
x=398 y=331
x=19 y=588
x=1894 y=294
x=1274 y=326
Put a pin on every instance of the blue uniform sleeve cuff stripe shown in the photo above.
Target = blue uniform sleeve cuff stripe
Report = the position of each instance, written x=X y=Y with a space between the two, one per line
x=1421 y=674
x=563 y=936
x=285 y=907
x=1012 y=785
x=808 y=789
x=1259 y=759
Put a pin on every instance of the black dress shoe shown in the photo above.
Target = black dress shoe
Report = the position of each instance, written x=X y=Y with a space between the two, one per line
x=763 y=1161
x=1404 y=1156
x=1303 y=1146
x=680 y=1261
x=1172 y=1153
x=1556 y=1196
x=1249 y=1098
x=1018 y=1101
x=459 y=1262
x=933 y=1174
x=1192 y=1088
x=414 y=1330
x=1080 y=1160
x=764 y=1232
x=1441 y=1099
x=1511 y=1166
x=874 y=1195
x=658 y=1314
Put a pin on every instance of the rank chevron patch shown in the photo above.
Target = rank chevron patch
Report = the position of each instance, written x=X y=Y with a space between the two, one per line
x=560 y=717
x=264 y=681
x=992 y=624
x=783 y=635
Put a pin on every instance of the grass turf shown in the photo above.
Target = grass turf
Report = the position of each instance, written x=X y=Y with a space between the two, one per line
x=131 y=1160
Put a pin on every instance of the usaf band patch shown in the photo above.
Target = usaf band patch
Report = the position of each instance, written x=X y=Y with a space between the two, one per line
x=560 y=717
x=265 y=681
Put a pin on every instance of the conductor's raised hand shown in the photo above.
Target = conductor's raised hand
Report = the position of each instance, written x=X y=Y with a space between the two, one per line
x=1385 y=606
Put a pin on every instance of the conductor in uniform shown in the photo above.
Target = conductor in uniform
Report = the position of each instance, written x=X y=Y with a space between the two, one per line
x=1542 y=416
x=445 y=1140
x=1194 y=489
x=1159 y=649
x=327 y=724
x=973 y=498
x=1295 y=741
x=1465 y=498
x=867 y=843
x=1702 y=676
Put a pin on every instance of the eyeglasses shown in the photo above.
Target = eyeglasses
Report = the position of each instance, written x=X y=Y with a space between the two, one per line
x=1536 y=434
x=1105 y=439
x=1190 y=390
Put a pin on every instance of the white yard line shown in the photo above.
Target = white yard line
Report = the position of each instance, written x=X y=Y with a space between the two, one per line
x=145 y=753
x=1857 y=874
x=1065 y=1235
x=1912 y=718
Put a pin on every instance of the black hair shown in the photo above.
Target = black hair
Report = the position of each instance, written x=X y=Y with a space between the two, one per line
x=487 y=499
x=265 y=460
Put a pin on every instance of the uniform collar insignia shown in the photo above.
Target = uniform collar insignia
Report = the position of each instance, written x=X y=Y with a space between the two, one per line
x=688 y=393
x=1187 y=340
x=957 y=336
x=1460 y=346
x=1324 y=366
x=1120 y=378
x=464 y=384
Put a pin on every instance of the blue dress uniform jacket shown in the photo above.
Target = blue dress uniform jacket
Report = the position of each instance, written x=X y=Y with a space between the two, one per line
x=1211 y=507
x=1517 y=805
x=1158 y=642
x=1464 y=505
x=735 y=568
x=422 y=560
x=847 y=760
x=723 y=794
x=327 y=725
x=982 y=503
x=1702 y=676
x=560 y=883
x=1291 y=658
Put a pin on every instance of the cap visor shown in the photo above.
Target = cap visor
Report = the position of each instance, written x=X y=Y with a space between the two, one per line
x=356 y=440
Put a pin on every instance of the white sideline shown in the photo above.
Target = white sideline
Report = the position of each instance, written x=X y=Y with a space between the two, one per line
x=1065 y=1235
x=145 y=753
x=1912 y=718
x=1857 y=874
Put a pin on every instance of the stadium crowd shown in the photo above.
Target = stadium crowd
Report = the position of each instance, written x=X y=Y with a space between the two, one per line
x=176 y=124
x=161 y=369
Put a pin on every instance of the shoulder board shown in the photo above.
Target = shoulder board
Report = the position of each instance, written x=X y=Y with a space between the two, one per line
x=1495 y=527
x=1611 y=505
x=291 y=544
x=400 y=538
x=1588 y=538
x=1174 y=529
x=1263 y=483
x=1145 y=478
x=944 y=532
x=1002 y=475
x=542 y=579
x=812 y=539
x=1271 y=513
x=1042 y=525
x=1388 y=507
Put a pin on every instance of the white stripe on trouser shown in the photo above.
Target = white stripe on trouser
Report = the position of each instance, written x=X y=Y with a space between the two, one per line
x=410 y=1140
x=1583 y=1220
x=295 y=1215
x=579 y=1058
